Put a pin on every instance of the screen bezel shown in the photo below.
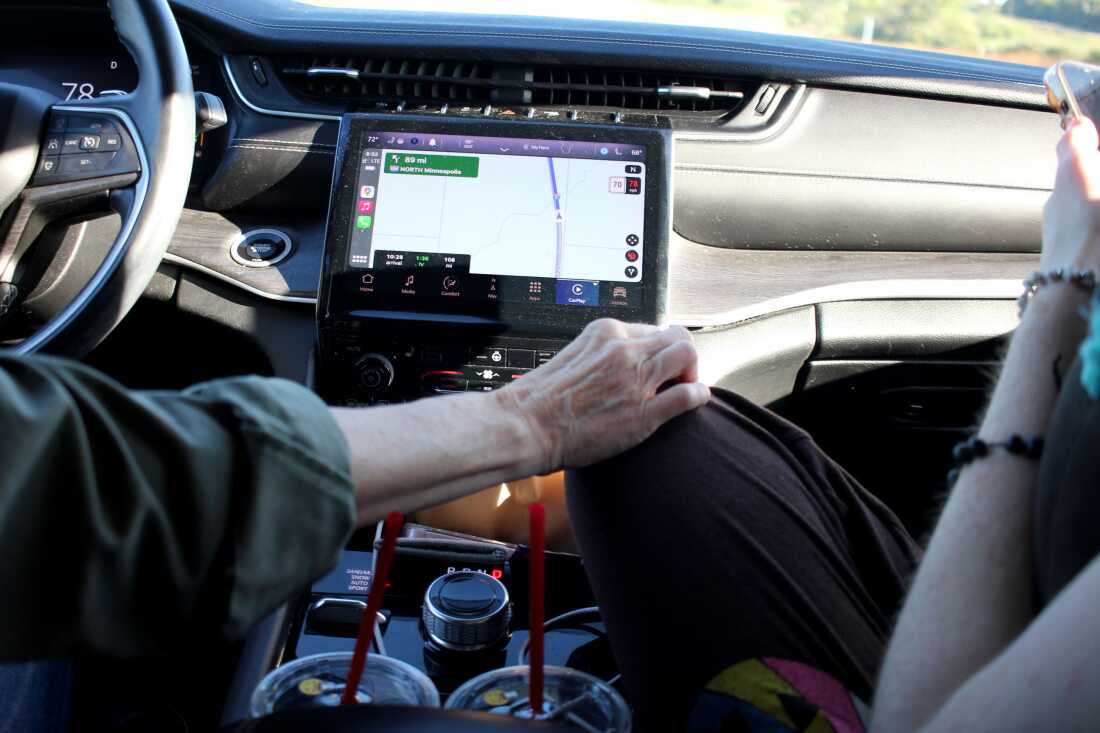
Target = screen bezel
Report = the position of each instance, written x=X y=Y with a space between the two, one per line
x=340 y=301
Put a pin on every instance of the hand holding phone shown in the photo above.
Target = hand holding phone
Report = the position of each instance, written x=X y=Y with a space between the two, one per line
x=1072 y=90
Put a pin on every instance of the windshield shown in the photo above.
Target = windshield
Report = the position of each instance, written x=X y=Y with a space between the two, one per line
x=1035 y=32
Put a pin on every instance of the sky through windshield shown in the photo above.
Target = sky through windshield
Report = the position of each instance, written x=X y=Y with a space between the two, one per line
x=1035 y=32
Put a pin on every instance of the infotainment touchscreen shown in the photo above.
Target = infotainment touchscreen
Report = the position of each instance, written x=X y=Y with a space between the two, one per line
x=443 y=220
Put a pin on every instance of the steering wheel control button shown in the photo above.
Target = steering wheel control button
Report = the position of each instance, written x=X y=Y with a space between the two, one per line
x=88 y=163
x=466 y=611
x=48 y=166
x=260 y=248
x=110 y=141
x=97 y=125
x=79 y=147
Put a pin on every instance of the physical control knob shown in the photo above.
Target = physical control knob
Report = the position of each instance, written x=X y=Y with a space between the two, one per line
x=375 y=373
x=466 y=611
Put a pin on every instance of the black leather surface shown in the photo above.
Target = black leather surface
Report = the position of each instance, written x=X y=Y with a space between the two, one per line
x=272 y=163
x=899 y=329
x=273 y=25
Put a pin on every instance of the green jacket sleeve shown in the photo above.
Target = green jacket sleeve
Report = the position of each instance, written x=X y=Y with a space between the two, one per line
x=134 y=523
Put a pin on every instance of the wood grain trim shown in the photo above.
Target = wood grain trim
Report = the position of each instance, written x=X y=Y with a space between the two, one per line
x=708 y=286
x=711 y=286
x=202 y=239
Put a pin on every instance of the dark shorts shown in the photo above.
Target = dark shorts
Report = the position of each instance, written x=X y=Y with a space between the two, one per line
x=729 y=544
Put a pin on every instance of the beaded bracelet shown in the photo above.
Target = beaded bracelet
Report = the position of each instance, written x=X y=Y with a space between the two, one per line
x=973 y=448
x=1083 y=279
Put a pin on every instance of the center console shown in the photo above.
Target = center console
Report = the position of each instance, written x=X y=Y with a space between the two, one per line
x=455 y=607
x=460 y=255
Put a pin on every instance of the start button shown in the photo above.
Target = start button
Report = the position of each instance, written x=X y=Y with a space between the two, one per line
x=260 y=247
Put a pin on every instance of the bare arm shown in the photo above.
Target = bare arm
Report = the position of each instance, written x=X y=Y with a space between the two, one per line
x=598 y=397
x=965 y=646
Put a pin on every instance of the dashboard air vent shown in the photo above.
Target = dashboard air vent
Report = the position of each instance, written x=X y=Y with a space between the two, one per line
x=567 y=86
x=366 y=83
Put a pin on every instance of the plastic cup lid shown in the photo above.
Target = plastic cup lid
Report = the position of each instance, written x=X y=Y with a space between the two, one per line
x=570 y=697
x=318 y=681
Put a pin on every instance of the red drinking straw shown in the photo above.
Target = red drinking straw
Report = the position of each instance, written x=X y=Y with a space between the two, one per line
x=394 y=520
x=537 y=602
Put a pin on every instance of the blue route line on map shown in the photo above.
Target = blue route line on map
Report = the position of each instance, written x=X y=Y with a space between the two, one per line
x=560 y=221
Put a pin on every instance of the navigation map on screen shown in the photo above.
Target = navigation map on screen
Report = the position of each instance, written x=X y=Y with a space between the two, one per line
x=553 y=210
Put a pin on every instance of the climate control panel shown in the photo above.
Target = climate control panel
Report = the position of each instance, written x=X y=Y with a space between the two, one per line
x=362 y=364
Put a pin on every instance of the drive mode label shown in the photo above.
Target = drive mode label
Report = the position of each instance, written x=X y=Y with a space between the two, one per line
x=352 y=575
x=418 y=164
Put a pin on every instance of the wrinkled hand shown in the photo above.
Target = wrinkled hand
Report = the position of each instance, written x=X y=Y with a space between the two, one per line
x=1071 y=217
x=599 y=396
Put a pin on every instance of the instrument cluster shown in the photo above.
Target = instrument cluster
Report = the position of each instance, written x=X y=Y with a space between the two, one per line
x=69 y=50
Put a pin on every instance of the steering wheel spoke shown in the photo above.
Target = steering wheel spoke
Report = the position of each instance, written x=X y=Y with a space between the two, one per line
x=130 y=155
x=87 y=152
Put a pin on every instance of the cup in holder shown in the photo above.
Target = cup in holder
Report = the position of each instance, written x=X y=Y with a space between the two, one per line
x=319 y=680
x=570 y=697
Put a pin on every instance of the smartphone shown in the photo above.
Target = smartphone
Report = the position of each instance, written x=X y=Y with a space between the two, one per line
x=1072 y=90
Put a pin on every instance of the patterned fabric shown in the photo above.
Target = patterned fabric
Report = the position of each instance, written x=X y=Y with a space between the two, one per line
x=775 y=696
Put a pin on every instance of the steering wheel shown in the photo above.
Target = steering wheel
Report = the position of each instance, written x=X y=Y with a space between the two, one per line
x=133 y=151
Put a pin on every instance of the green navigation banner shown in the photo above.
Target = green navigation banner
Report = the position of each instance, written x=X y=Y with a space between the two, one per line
x=424 y=164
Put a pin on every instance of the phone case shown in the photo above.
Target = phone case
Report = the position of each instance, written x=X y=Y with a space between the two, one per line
x=1072 y=90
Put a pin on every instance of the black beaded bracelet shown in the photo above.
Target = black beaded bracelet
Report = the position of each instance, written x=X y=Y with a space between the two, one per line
x=974 y=448
x=1083 y=279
